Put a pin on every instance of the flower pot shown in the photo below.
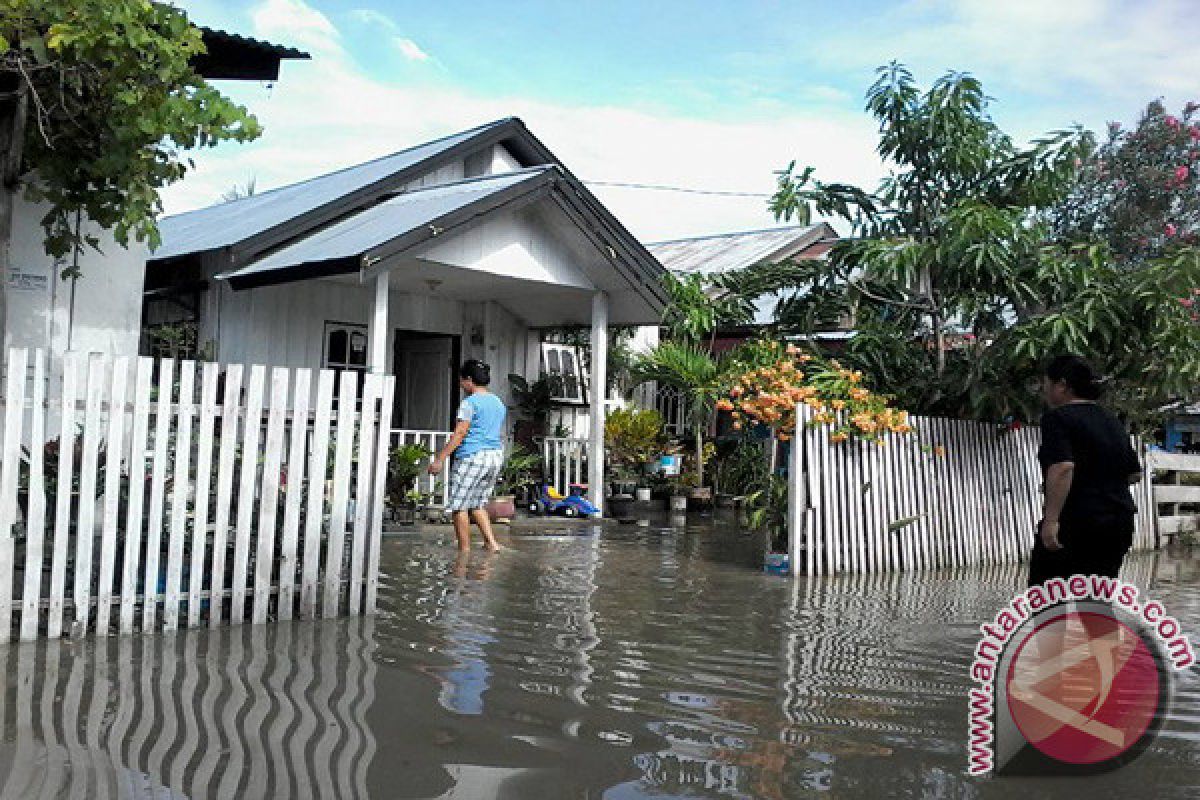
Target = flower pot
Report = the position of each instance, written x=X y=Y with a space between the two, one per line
x=700 y=498
x=619 y=505
x=502 y=507
x=642 y=494
x=677 y=502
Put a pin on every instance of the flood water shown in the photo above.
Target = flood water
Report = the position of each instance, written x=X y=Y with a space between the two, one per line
x=643 y=662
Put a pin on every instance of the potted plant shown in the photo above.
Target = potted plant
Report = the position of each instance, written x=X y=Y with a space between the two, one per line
x=767 y=512
x=534 y=401
x=632 y=437
x=404 y=467
x=521 y=468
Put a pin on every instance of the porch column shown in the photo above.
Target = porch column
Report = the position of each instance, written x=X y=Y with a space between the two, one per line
x=599 y=384
x=378 y=332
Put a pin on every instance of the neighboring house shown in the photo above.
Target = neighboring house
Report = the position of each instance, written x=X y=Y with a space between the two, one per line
x=463 y=247
x=1181 y=428
x=100 y=312
x=727 y=252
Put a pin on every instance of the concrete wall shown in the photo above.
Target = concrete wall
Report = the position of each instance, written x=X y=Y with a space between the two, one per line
x=99 y=312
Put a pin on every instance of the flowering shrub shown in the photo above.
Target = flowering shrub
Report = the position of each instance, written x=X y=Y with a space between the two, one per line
x=769 y=392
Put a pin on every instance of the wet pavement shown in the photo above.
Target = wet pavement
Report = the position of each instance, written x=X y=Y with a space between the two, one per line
x=639 y=662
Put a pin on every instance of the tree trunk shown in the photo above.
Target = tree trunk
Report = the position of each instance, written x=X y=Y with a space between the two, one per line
x=12 y=140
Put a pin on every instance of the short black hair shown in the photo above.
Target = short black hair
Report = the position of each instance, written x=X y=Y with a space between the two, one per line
x=1078 y=374
x=476 y=372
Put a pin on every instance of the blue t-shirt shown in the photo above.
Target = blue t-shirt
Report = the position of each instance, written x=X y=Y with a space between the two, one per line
x=486 y=413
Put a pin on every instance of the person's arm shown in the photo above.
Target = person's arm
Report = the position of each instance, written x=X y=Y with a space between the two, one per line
x=460 y=432
x=466 y=413
x=1056 y=448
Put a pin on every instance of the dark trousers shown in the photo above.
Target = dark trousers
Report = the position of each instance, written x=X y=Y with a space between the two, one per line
x=1094 y=546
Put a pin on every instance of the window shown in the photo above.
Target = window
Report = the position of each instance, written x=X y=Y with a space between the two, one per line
x=346 y=349
x=563 y=365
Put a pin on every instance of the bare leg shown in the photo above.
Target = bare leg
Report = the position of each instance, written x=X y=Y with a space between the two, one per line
x=480 y=517
x=462 y=530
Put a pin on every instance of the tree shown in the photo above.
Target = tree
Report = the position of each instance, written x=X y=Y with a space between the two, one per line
x=98 y=102
x=695 y=373
x=699 y=305
x=959 y=285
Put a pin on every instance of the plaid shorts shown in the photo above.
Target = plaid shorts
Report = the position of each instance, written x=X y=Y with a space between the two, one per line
x=473 y=478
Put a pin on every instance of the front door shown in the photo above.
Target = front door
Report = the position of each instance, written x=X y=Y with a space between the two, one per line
x=425 y=385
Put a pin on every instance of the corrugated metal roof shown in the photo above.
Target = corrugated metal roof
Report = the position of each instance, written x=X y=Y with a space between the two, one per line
x=410 y=211
x=227 y=224
x=728 y=251
x=216 y=35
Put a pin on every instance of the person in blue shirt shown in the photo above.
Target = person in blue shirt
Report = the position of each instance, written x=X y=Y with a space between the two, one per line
x=477 y=448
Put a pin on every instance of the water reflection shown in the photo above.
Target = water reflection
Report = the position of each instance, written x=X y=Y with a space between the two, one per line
x=646 y=662
x=263 y=711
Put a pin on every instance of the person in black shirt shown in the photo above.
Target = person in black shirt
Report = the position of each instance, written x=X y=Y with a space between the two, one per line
x=1087 y=464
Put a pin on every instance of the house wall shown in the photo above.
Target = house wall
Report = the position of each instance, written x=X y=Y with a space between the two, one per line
x=100 y=312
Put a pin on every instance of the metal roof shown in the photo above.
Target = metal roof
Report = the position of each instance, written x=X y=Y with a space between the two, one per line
x=729 y=251
x=343 y=246
x=227 y=224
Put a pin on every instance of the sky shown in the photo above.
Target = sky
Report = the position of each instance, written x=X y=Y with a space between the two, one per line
x=706 y=95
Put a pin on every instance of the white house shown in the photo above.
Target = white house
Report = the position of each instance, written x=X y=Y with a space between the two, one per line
x=457 y=248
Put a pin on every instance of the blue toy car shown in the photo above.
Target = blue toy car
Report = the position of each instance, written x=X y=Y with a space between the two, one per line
x=548 y=501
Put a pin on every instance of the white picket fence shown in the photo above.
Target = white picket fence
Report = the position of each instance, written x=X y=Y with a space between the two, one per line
x=193 y=492
x=565 y=461
x=864 y=508
x=436 y=486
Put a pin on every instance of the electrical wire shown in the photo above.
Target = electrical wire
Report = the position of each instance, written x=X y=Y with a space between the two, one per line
x=682 y=189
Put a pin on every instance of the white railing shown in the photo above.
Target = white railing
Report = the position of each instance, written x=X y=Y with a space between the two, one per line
x=436 y=486
x=138 y=494
x=1170 y=493
x=565 y=461
x=953 y=493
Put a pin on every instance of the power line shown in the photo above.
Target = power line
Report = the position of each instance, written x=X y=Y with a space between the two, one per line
x=683 y=189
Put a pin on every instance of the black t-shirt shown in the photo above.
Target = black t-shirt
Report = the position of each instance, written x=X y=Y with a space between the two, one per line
x=1097 y=443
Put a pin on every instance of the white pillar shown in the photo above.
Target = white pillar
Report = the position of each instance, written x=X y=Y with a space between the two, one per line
x=599 y=393
x=378 y=333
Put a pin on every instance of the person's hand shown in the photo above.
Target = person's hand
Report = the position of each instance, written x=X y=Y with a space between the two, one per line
x=435 y=466
x=1050 y=535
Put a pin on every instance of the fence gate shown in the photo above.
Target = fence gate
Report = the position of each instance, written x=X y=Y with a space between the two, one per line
x=138 y=494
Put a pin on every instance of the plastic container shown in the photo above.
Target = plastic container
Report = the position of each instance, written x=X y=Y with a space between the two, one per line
x=776 y=564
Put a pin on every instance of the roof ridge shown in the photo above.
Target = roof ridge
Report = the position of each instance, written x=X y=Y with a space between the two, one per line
x=729 y=234
x=476 y=129
x=474 y=179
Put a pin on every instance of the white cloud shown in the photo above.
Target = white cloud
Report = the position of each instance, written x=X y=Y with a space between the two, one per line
x=294 y=22
x=369 y=16
x=328 y=113
x=410 y=49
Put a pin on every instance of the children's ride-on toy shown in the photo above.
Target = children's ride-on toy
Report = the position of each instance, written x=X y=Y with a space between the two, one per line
x=549 y=501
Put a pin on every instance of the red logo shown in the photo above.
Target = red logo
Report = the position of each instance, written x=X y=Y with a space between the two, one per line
x=1084 y=688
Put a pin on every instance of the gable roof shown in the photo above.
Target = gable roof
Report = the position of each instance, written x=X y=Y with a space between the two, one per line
x=407 y=219
x=248 y=222
x=230 y=56
x=724 y=252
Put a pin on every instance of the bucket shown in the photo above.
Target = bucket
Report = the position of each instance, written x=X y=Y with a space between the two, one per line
x=776 y=563
x=679 y=502
x=642 y=495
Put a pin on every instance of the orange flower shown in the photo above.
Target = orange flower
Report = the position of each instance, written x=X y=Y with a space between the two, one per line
x=859 y=393
x=838 y=404
x=939 y=450
x=737 y=391
x=724 y=405
x=838 y=437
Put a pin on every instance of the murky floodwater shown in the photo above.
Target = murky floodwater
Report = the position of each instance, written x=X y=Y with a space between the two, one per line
x=646 y=662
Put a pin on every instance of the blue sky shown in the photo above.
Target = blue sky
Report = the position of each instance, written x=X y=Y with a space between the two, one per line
x=701 y=94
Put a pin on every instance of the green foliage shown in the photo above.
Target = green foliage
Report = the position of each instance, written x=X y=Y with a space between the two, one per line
x=699 y=305
x=767 y=509
x=632 y=437
x=521 y=468
x=534 y=399
x=742 y=467
x=404 y=467
x=693 y=371
x=975 y=260
x=112 y=101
